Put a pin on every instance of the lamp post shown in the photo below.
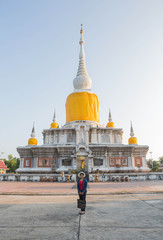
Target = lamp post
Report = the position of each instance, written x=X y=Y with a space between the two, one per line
x=151 y=158
x=1 y=155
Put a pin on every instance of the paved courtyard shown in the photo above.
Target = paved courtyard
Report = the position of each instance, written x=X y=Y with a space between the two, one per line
x=129 y=216
x=114 y=211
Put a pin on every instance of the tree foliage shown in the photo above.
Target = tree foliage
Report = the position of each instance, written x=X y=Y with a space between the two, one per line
x=149 y=162
x=156 y=165
x=161 y=159
x=12 y=163
x=153 y=165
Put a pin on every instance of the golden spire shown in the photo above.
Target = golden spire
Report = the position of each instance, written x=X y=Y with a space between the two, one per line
x=81 y=31
x=132 y=139
x=54 y=124
x=110 y=124
x=32 y=140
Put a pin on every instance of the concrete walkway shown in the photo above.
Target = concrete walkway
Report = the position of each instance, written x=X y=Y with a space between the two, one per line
x=129 y=216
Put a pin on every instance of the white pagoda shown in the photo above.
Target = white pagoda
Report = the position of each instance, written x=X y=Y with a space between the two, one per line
x=82 y=143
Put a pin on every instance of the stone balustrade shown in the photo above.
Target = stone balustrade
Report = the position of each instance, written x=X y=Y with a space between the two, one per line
x=38 y=177
x=93 y=177
x=125 y=177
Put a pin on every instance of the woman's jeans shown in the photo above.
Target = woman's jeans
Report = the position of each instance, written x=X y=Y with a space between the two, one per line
x=83 y=197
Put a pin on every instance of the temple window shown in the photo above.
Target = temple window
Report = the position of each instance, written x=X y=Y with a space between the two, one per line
x=138 y=161
x=40 y=163
x=124 y=161
x=66 y=162
x=98 y=162
x=27 y=162
x=43 y=162
x=46 y=162
x=118 y=161
x=112 y=162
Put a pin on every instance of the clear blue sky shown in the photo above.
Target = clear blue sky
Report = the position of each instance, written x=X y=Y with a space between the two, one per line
x=39 y=49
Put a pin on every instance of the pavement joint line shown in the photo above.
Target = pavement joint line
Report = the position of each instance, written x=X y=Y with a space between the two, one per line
x=78 y=233
x=110 y=227
x=75 y=194
x=145 y=227
x=25 y=226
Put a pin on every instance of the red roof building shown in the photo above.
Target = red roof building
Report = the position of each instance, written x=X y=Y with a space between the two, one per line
x=3 y=167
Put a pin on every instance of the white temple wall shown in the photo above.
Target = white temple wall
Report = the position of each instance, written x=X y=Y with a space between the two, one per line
x=83 y=134
x=93 y=137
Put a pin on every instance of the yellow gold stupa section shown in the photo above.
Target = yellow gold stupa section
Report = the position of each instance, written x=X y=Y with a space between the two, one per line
x=32 y=141
x=54 y=125
x=132 y=140
x=82 y=106
x=110 y=125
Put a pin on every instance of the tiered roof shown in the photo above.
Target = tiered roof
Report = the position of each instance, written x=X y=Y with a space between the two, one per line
x=2 y=165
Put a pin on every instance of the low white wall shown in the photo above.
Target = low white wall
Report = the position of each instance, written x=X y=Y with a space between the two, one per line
x=38 y=177
x=92 y=177
x=125 y=177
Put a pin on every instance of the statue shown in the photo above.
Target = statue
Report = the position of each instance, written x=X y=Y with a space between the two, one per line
x=82 y=165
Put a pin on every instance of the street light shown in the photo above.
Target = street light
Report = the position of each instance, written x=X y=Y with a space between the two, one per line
x=151 y=158
x=1 y=155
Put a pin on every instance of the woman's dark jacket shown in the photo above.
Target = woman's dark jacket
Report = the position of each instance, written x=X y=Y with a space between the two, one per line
x=84 y=190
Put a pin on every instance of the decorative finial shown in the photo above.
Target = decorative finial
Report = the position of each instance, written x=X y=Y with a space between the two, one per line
x=81 y=31
x=132 y=134
x=82 y=81
x=32 y=140
x=33 y=131
x=54 y=116
x=132 y=139
x=54 y=124
x=110 y=124
x=110 y=117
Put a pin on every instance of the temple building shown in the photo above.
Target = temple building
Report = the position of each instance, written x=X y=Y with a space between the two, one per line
x=83 y=143
x=3 y=167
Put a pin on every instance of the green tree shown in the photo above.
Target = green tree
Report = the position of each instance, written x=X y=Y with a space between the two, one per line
x=149 y=162
x=156 y=165
x=161 y=159
x=12 y=163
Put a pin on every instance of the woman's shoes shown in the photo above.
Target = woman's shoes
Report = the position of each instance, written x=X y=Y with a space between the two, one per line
x=82 y=212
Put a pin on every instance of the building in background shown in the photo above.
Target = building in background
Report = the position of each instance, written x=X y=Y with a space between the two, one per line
x=3 y=167
x=82 y=143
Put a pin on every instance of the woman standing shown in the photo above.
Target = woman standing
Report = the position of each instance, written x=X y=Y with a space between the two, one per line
x=82 y=188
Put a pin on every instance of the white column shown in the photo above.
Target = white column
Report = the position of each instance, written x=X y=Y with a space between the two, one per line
x=105 y=159
x=74 y=163
x=132 y=161
x=144 y=162
x=77 y=137
x=35 y=161
x=99 y=137
x=87 y=137
x=21 y=162
x=90 y=164
x=129 y=161
x=65 y=136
